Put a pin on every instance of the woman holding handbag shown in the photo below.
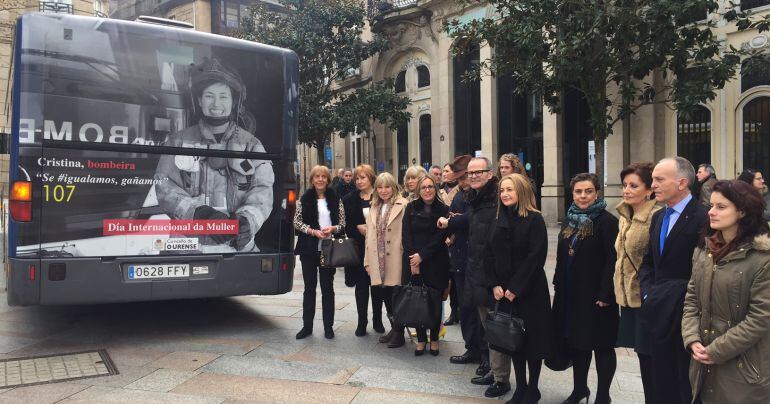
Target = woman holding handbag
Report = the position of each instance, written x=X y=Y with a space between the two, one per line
x=635 y=213
x=426 y=257
x=357 y=206
x=518 y=247
x=384 y=250
x=585 y=312
x=319 y=214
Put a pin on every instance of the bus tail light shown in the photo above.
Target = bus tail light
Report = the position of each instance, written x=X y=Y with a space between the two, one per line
x=291 y=204
x=20 y=201
x=284 y=265
x=32 y=271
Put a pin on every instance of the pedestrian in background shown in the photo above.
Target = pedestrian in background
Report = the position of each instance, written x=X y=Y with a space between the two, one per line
x=449 y=189
x=346 y=185
x=318 y=215
x=755 y=179
x=635 y=214
x=726 y=320
x=481 y=218
x=411 y=176
x=508 y=164
x=384 y=249
x=426 y=258
x=663 y=277
x=707 y=177
x=584 y=301
x=357 y=206
x=435 y=172
x=517 y=248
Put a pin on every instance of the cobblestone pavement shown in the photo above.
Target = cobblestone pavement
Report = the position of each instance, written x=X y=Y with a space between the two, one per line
x=243 y=350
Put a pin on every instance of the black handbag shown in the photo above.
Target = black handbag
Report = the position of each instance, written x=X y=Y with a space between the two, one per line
x=339 y=252
x=416 y=306
x=504 y=331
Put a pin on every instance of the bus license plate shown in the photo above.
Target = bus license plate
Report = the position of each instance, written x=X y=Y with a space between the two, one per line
x=158 y=271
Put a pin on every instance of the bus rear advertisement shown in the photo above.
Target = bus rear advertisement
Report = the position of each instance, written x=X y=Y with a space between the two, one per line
x=148 y=163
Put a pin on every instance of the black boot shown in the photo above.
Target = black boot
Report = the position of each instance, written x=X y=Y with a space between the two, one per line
x=304 y=332
x=397 y=338
x=361 y=329
x=518 y=395
x=385 y=338
x=578 y=396
x=452 y=319
x=377 y=323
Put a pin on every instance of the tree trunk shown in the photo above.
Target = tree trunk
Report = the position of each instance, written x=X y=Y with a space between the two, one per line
x=599 y=140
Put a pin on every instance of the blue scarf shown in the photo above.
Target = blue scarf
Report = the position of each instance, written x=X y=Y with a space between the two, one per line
x=581 y=221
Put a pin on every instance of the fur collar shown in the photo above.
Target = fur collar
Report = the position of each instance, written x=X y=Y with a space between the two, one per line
x=642 y=216
x=761 y=242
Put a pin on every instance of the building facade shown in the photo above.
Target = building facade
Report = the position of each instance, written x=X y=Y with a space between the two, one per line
x=451 y=116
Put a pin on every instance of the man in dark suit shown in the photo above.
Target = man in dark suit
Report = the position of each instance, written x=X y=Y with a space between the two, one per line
x=664 y=274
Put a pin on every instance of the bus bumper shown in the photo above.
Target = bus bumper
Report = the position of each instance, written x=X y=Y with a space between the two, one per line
x=94 y=280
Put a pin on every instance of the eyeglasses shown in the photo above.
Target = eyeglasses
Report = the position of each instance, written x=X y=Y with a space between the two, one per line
x=476 y=173
x=427 y=187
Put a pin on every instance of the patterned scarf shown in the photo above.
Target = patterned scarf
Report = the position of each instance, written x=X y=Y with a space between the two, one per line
x=581 y=221
x=718 y=247
x=382 y=225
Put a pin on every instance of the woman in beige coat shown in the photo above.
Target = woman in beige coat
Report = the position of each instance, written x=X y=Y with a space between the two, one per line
x=726 y=321
x=635 y=217
x=383 y=250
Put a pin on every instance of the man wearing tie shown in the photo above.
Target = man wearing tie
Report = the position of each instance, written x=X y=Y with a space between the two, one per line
x=664 y=274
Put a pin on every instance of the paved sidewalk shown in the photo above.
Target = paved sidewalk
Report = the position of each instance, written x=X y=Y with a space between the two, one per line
x=243 y=350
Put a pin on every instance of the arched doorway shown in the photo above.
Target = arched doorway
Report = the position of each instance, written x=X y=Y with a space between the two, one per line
x=467 y=105
x=693 y=135
x=520 y=129
x=402 y=147
x=756 y=134
x=577 y=136
x=425 y=142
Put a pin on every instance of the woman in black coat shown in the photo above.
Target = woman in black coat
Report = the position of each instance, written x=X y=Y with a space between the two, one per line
x=585 y=312
x=319 y=214
x=357 y=205
x=517 y=247
x=426 y=258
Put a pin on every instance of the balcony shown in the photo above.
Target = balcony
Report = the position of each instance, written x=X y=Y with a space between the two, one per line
x=100 y=14
x=376 y=8
x=54 y=7
x=749 y=4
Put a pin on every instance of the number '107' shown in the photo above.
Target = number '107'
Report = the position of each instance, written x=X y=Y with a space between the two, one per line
x=58 y=193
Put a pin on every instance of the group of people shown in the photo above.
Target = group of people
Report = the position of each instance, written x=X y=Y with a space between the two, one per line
x=681 y=279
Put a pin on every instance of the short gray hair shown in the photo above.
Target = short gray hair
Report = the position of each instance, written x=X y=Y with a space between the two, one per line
x=683 y=167
x=487 y=162
x=709 y=168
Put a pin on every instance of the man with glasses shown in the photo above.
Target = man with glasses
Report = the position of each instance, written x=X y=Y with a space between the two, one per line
x=475 y=348
x=481 y=216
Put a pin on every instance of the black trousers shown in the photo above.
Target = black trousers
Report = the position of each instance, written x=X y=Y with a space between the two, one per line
x=311 y=272
x=670 y=372
x=454 y=301
x=645 y=366
x=382 y=295
x=470 y=323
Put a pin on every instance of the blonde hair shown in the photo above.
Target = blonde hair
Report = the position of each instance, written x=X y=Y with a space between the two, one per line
x=319 y=169
x=518 y=168
x=413 y=172
x=366 y=170
x=524 y=193
x=386 y=180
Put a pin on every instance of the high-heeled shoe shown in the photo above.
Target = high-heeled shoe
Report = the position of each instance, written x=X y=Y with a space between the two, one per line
x=518 y=395
x=576 y=397
x=433 y=352
x=420 y=352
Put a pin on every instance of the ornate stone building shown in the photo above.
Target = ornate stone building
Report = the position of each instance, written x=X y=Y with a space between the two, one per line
x=451 y=116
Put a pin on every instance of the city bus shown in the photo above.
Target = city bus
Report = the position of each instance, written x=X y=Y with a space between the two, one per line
x=148 y=162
